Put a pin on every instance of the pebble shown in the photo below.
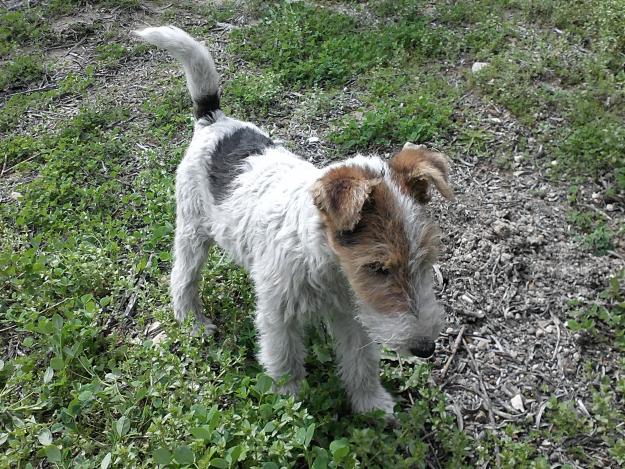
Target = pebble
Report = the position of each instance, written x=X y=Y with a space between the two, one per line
x=517 y=403
x=466 y=299
x=477 y=66
x=313 y=139
x=161 y=337
x=501 y=228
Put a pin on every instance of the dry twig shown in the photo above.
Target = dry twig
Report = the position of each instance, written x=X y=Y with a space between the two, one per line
x=454 y=350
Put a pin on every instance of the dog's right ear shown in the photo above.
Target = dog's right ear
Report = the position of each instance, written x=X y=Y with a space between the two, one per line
x=417 y=168
x=341 y=194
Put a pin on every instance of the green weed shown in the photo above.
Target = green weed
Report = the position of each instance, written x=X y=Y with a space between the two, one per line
x=20 y=71
x=606 y=316
x=252 y=95
x=307 y=45
x=400 y=106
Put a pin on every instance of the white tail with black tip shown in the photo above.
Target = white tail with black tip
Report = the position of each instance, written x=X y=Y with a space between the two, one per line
x=199 y=68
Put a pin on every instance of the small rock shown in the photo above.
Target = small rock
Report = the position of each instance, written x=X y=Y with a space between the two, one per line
x=610 y=207
x=313 y=140
x=481 y=417
x=518 y=158
x=16 y=195
x=501 y=229
x=161 y=337
x=540 y=332
x=517 y=403
x=466 y=299
x=477 y=66
x=153 y=327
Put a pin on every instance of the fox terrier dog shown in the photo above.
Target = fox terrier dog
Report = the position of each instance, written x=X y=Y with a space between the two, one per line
x=349 y=244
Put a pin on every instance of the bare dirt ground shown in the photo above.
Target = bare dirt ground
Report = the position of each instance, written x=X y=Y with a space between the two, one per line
x=510 y=266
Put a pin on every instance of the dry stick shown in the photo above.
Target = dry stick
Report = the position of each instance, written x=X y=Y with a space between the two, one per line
x=556 y=321
x=8 y=170
x=454 y=350
x=489 y=404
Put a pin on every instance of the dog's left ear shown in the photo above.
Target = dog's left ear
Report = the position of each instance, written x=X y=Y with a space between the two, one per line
x=417 y=168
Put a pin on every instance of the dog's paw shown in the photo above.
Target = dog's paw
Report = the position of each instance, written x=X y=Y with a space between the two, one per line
x=289 y=389
x=203 y=327
x=380 y=400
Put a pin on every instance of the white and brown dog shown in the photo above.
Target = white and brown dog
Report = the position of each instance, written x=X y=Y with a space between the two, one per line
x=349 y=244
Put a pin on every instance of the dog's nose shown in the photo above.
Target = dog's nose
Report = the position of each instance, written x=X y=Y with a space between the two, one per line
x=423 y=349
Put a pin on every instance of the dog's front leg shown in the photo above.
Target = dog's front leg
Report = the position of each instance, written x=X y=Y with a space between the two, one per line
x=359 y=360
x=282 y=351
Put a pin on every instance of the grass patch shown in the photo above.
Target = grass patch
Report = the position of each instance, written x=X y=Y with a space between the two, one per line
x=20 y=71
x=20 y=27
x=605 y=318
x=306 y=45
x=252 y=95
x=399 y=106
x=563 y=78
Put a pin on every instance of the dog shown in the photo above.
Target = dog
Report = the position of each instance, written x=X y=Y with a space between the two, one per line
x=349 y=244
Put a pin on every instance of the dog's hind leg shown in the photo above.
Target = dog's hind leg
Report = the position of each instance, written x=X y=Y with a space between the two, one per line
x=282 y=351
x=190 y=252
x=191 y=245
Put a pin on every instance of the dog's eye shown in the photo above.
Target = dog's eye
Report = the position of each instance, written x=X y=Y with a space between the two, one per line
x=377 y=268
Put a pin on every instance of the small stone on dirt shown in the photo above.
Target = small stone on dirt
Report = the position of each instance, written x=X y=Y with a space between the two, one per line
x=517 y=403
x=477 y=66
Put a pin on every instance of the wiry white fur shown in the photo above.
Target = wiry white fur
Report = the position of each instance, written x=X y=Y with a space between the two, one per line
x=269 y=224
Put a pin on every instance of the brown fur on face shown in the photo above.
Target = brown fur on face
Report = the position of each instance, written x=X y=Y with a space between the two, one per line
x=416 y=168
x=366 y=231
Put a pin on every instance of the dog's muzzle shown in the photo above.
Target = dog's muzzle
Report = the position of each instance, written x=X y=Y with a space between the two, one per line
x=423 y=348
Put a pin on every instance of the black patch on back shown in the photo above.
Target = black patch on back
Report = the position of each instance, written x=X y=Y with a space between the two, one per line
x=227 y=160
x=206 y=106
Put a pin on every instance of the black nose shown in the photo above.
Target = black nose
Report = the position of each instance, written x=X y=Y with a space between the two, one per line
x=423 y=349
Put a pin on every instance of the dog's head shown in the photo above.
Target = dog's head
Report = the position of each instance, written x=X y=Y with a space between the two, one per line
x=374 y=221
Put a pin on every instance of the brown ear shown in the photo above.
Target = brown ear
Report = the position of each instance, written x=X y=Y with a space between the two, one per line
x=341 y=193
x=416 y=168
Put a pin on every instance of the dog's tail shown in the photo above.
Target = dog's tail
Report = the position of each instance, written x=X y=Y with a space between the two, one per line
x=199 y=68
